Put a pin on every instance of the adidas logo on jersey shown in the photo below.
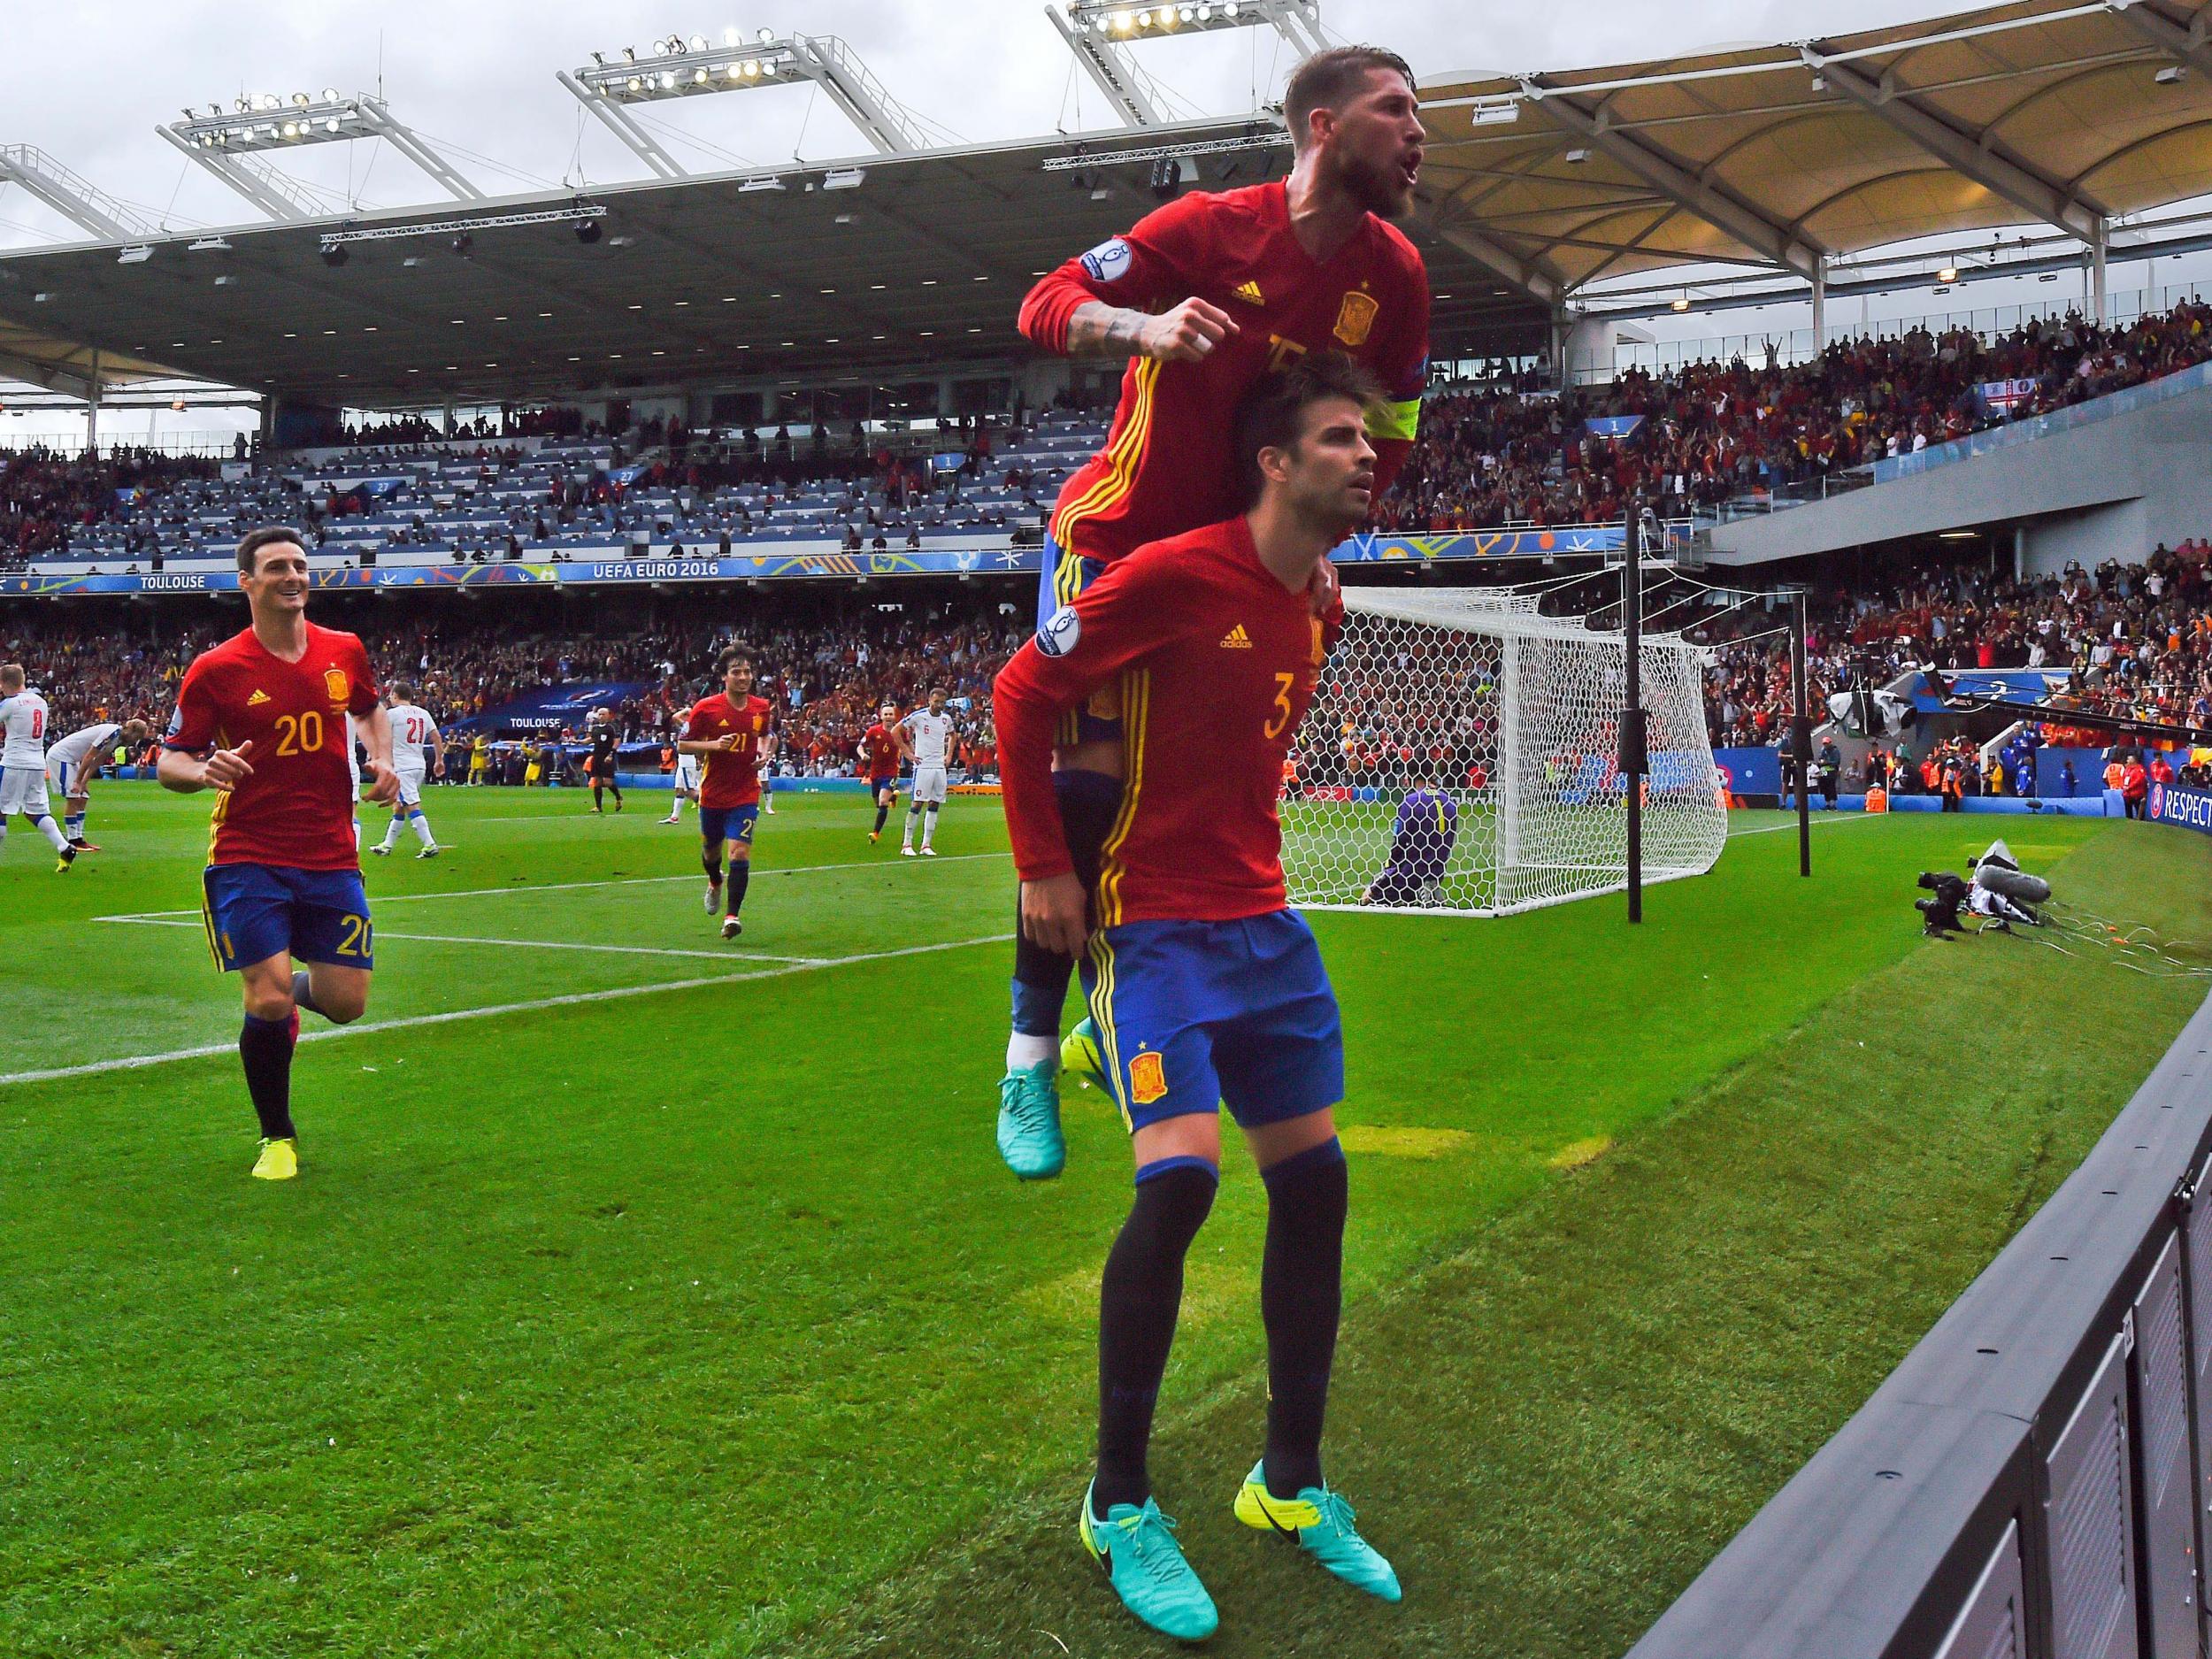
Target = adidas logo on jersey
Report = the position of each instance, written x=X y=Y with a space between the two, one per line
x=1236 y=640
x=1250 y=293
x=257 y=698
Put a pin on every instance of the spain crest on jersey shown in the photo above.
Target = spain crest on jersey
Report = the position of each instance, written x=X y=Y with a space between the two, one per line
x=337 y=685
x=1148 y=1078
x=1356 y=317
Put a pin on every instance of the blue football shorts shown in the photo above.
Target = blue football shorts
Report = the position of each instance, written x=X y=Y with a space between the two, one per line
x=256 y=912
x=1060 y=580
x=1193 y=1015
x=728 y=823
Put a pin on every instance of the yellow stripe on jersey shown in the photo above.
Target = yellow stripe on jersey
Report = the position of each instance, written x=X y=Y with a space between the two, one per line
x=1102 y=1016
x=1399 y=420
x=1123 y=459
x=1136 y=708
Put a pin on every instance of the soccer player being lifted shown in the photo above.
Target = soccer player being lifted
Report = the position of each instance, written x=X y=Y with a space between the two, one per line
x=1206 y=987
x=71 y=764
x=729 y=731
x=1203 y=297
x=261 y=719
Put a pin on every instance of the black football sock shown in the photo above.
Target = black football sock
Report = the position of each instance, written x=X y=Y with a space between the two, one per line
x=598 y=796
x=1301 y=1293
x=882 y=813
x=617 y=796
x=741 y=874
x=1089 y=802
x=302 y=992
x=265 y=1049
x=711 y=862
x=1139 y=1297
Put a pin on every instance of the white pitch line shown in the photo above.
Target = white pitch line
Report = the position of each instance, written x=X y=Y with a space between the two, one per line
x=529 y=944
x=1839 y=818
x=137 y=1062
x=570 y=886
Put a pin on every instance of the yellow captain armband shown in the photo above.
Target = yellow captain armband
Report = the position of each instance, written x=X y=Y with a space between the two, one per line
x=1399 y=420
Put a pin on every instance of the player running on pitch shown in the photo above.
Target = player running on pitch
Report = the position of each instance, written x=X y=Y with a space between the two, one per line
x=728 y=731
x=1206 y=987
x=882 y=746
x=599 y=732
x=262 y=718
x=418 y=751
x=24 y=721
x=927 y=733
x=1271 y=273
x=71 y=764
x=683 y=782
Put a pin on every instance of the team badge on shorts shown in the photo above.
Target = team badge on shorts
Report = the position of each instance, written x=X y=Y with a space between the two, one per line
x=337 y=685
x=1148 y=1078
x=1356 y=317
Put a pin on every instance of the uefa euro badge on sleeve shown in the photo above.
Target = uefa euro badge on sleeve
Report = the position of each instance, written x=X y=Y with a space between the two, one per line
x=1060 y=631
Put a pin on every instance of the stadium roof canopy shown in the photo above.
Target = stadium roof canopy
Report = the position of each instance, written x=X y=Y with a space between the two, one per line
x=1540 y=191
x=1785 y=157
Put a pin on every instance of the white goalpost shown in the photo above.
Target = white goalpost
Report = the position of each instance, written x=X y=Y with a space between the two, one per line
x=1460 y=758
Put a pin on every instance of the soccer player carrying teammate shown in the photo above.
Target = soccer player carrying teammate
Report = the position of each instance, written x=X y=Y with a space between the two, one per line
x=418 y=751
x=928 y=736
x=882 y=746
x=1204 y=296
x=1206 y=987
x=728 y=729
x=71 y=764
x=24 y=719
x=262 y=718
x=600 y=762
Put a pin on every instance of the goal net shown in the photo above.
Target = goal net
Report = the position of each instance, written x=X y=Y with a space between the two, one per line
x=1460 y=758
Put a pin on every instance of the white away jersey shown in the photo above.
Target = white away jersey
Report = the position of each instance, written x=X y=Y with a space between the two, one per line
x=23 y=719
x=931 y=735
x=411 y=729
x=85 y=740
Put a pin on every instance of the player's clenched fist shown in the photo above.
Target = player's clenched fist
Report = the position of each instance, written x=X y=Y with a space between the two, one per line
x=382 y=782
x=227 y=768
x=1054 y=914
x=1187 y=333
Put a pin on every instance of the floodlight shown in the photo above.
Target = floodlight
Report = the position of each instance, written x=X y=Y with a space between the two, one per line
x=730 y=36
x=335 y=254
x=844 y=179
x=698 y=77
x=634 y=84
x=1950 y=274
x=1679 y=305
x=698 y=43
x=330 y=94
x=764 y=36
x=300 y=100
x=177 y=403
x=587 y=231
x=138 y=253
x=463 y=244
x=2169 y=75
x=1577 y=156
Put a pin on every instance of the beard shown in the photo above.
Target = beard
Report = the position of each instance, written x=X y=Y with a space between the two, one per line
x=1381 y=190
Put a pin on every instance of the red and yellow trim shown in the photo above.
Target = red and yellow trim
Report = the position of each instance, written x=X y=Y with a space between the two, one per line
x=1124 y=456
x=1136 y=710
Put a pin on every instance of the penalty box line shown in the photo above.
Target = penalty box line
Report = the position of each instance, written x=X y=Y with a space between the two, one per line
x=527 y=944
x=571 y=999
x=566 y=886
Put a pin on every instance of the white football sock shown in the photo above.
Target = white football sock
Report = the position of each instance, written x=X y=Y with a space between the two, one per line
x=52 y=831
x=1024 y=1052
x=422 y=830
x=929 y=827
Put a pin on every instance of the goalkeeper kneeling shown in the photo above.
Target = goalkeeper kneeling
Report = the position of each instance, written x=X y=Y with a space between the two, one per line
x=1421 y=844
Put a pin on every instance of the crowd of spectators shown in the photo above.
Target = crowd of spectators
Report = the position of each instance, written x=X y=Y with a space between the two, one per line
x=43 y=495
x=828 y=668
x=1712 y=432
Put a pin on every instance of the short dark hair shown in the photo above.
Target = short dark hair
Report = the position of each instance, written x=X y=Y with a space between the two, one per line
x=250 y=545
x=735 y=655
x=1272 y=412
x=1327 y=79
x=402 y=691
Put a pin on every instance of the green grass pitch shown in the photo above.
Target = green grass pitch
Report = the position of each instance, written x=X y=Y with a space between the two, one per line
x=643 y=1294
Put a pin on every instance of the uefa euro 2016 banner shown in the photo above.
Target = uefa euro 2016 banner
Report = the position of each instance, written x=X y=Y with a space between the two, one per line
x=2191 y=809
x=615 y=569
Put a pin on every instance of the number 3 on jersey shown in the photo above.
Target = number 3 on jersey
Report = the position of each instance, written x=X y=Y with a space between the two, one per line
x=1281 y=717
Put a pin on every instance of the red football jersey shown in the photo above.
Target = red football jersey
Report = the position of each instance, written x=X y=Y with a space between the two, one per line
x=1215 y=661
x=1167 y=467
x=296 y=810
x=732 y=776
x=879 y=752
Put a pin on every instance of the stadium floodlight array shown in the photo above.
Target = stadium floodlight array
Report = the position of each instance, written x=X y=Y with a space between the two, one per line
x=1502 y=725
x=676 y=67
x=1097 y=31
x=227 y=143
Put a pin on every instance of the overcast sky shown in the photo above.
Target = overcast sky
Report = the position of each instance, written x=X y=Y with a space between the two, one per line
x=89 y=78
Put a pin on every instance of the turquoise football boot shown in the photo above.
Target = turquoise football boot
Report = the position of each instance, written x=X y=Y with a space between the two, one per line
x=1148 y=1569
x=1321 y=1522
x=1029 y=1137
